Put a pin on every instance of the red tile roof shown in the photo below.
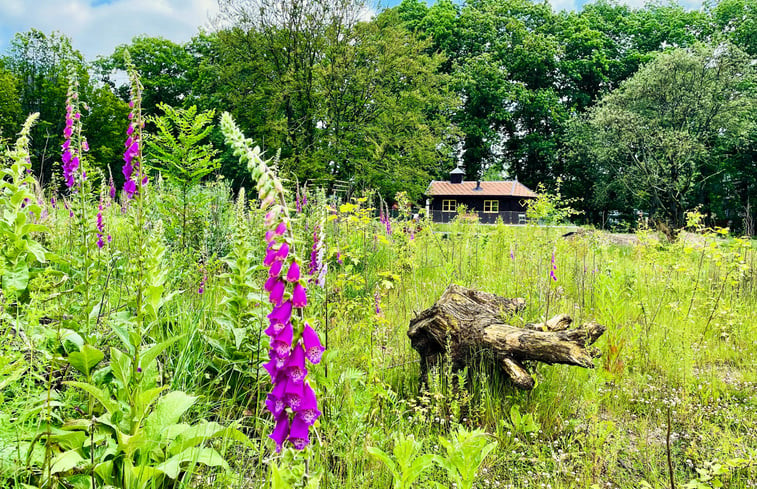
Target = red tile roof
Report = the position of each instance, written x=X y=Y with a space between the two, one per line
x=508 y=188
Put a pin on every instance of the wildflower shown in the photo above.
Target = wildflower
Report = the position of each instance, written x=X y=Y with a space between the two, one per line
x=298 y=434
x=376 y=299
x=132 y=168
x=112 y=189
x=277 y=292
x=281 y=431
x=281 y=313
x=313 y=348
x=100 y=226
x=553 y=268
x=299 y=296
x=293 y=275
x=339 y=257
x=295 y=368
x=308 y=412
x=201 y=288
x=291 y=400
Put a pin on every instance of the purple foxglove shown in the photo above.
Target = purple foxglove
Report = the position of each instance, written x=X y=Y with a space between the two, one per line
x=299 y=296
x=130 y=188
x=270 y=283
x=283 y=251
x=313 y=348
x=293 y=395
x=298 y=433
x=275 y=405
x=295 y=368
x=275 y=269
x=275 y=328
x=277 y=292
x=282 y=343
x=270 y=256
x=308 y=411
x=281 y=313
x=272 y=369
x=269 y=235
x=281 y=229
x=293 y=274
x=281 y=431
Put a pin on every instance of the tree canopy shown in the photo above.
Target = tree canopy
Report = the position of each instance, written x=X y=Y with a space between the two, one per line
x=507 y=88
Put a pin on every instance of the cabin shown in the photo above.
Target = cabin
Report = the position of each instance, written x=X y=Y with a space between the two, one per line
x=490 y=200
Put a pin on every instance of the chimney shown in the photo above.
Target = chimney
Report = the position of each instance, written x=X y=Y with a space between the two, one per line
x=456 y=175
x=478 y=185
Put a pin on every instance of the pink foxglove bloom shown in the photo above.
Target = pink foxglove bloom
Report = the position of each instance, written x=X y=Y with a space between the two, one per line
x=299 y=296
x=296 y=369
x=281 y=313
x=553 y=268
x=275 y=269
x=281 y=431
x=277 y=292
x=298 y=434
x=293 y=275
x=309 y=408
x=313 y=348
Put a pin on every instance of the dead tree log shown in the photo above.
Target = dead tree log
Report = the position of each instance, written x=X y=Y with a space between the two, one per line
x=469 y=322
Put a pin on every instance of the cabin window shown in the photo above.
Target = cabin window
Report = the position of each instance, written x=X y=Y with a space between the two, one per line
x=491 y=206
x=449 y=205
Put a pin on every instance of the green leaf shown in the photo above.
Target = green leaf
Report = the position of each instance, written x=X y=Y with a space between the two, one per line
x=204 y=431
x=277 y=480
x=71 y=340
x=71 y=440
x=102 y=397
x=37 y=250
x=65 y=462
x=120 y=326
x=149 y=356
x=120 y=364
x=17 y=279
x=104 y=470
x=386 y=459
x=206 y=456
x=167 y=411
x=85 y=359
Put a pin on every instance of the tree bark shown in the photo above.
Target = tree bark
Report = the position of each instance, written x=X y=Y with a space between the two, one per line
x=464 y=323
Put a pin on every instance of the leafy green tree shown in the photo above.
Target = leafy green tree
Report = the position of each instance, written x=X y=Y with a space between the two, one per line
x=10 y=103
x=105 y=127
x=179 y=151
x=737 y=21
x=163 y=66
x=504 y=71
x=41 y=64
x=278 y=48
x=657 y=133
x=386 y=120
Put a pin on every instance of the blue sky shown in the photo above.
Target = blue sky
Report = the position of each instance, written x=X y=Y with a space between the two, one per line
x=97 y=26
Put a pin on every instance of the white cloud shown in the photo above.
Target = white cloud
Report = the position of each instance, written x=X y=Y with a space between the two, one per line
x=96 y=30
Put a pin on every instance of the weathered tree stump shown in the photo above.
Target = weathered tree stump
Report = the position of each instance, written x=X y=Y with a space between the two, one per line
x=470 y=322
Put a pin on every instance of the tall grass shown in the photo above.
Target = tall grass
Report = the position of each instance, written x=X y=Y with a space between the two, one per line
x=681 y=336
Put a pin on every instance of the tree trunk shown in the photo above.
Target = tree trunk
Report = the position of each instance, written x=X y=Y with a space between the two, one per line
x=470 y=322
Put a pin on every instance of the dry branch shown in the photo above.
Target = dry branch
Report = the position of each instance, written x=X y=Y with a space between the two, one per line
x=470 y=322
